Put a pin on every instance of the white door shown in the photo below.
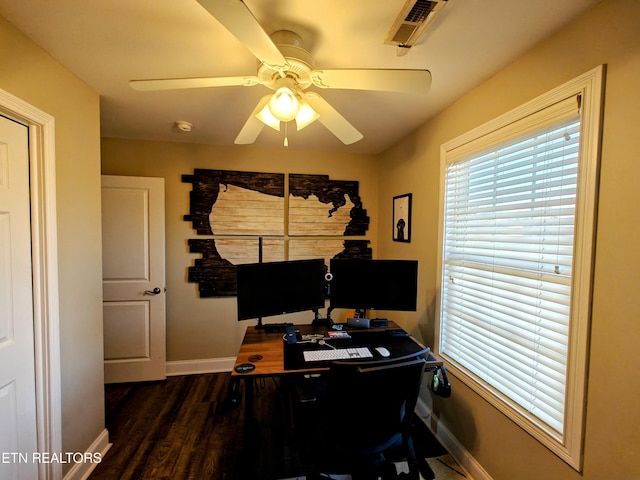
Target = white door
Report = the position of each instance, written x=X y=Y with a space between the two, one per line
x=133 y=271
x=18 y=437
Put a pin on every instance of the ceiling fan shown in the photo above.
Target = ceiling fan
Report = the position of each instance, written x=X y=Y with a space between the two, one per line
x=288 y=69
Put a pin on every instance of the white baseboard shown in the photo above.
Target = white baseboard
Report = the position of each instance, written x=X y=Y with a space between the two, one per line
x=203 y=365
x=96 y=451
x=448 y=441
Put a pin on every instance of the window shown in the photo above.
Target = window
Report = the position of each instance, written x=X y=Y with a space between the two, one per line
x=515 y=269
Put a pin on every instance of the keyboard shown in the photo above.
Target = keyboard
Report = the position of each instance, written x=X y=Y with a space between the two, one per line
x=336 y=354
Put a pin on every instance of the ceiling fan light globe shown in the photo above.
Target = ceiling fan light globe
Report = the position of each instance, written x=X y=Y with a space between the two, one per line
x=284 y=105
x=266 y=117
x=306 y=116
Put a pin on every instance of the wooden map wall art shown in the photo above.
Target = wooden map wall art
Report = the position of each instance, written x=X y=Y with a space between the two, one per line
x=243 y=209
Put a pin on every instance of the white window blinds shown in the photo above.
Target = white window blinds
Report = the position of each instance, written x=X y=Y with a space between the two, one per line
x=509 y=217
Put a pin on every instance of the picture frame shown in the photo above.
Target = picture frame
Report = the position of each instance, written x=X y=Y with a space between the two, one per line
x=402 y=218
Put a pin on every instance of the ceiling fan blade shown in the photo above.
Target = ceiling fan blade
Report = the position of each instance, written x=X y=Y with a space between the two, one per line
x=330 y=118
x=405 y=81
x=253 y=126
x=236 y=17
x=184 y=83
x=249 y=132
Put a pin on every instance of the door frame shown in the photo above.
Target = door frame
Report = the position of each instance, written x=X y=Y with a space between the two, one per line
x=46 y=317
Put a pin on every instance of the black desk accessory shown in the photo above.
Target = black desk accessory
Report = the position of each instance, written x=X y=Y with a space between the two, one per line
x=276 y=327
x=245 y=368
x=378 y=322
x=359 y=322
x=440 y=384
x=290 y=334
x=397 y=332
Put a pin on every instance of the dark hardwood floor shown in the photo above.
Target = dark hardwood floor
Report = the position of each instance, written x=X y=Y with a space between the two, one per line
x=185 y=428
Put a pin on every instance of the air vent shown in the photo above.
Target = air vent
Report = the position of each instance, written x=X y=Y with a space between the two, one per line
x=412 y=22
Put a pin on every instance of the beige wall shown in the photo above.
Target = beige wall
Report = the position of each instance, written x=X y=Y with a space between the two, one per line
x=608 y=34
x=204 y=328
x=33 y=76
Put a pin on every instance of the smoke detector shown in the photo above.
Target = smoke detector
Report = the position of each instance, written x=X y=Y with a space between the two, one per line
x=412 y=22
x=184 y=126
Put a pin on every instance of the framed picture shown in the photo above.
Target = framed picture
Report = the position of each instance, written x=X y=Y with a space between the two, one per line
x=402 y=218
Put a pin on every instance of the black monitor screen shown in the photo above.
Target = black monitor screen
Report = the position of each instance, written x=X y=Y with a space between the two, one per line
x=374 y=284
x=274 y=288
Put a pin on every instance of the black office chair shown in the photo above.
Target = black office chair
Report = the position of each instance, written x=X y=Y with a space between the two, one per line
x=367 y=416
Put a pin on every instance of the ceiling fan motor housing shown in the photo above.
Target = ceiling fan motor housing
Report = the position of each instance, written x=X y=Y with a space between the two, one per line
x=300 y=62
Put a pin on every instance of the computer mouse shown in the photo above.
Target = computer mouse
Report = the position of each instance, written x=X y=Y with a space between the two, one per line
x=383 y=351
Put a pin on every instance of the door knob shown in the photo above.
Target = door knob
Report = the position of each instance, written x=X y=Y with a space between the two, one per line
x=155 y=291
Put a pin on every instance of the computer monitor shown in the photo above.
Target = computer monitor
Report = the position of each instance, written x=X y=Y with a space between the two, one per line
x=374 y=284
x=275 y=288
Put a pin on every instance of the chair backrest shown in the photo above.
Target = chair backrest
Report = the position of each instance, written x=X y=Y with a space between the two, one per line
x=374 y=401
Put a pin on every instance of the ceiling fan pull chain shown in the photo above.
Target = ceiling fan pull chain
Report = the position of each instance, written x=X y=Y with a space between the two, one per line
x=286 y=134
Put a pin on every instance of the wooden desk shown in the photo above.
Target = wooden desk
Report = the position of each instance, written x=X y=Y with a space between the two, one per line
x=262 y=349
x=266 y=351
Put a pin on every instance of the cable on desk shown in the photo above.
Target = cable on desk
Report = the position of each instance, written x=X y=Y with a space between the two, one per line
x=322 y=342
x=310 y=338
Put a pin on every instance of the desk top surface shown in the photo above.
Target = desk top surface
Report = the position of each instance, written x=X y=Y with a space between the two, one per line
x=266 y=351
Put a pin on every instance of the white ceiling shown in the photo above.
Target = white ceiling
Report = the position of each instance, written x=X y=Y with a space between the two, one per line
x=106 y=43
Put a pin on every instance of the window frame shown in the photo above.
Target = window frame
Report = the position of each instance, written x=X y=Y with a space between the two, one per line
x=590 y=87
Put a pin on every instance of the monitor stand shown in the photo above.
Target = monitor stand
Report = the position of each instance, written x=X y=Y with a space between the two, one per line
x=322 y=322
